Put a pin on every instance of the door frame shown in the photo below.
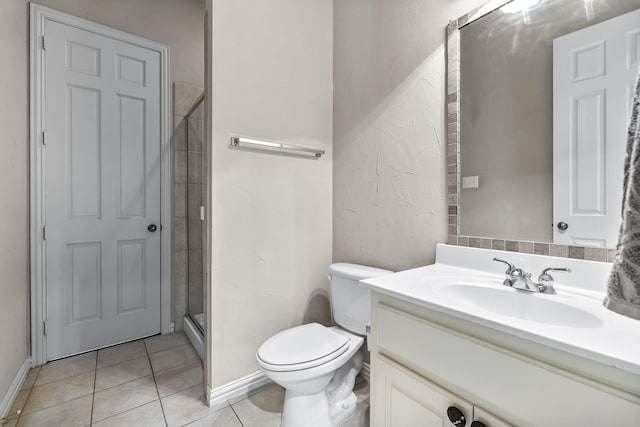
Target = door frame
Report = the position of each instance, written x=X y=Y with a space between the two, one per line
x=38 y=16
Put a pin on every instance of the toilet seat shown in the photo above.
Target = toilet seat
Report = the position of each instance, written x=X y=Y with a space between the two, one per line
x=302 y=347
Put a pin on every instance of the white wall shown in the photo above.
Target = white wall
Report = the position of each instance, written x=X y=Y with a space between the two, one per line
x=177 y=23
x=271 y=232
x=389 y=129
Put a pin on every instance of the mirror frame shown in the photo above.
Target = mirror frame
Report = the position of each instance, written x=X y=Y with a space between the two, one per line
x=453 y=162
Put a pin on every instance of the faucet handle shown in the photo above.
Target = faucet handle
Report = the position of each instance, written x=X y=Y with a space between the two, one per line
x=510 y=267
x=545 y=281
x=545 y=272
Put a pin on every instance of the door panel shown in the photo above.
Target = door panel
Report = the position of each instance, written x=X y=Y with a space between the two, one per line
x=587 y=155
x=594 y=71
x=132 y=123
x=102 y=190
x=132 y=290
x=86 y=281
x=83 y=122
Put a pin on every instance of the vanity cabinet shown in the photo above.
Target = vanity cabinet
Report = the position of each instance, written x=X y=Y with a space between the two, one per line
x=424 y=361
x=412 y=400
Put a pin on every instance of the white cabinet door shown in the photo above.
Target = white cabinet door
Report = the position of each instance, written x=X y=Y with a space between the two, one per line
x=102 y=190
x=405 y=399
x=594 y=72
x=487 y=419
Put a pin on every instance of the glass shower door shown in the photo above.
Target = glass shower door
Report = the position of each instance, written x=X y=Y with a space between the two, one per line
x=195 y=199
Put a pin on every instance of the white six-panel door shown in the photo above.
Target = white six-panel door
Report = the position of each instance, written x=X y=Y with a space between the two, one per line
x=594 y=71
x=101 y=168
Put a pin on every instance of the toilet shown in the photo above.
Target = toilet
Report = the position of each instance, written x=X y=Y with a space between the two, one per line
x=317 y=365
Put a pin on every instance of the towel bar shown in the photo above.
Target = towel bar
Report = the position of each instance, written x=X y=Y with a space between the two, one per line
x=268 y=145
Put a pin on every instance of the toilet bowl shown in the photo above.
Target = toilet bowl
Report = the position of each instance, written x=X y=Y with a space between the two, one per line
x=317 y=365
x=307 y=369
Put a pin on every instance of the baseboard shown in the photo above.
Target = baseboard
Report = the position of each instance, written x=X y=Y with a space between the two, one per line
x=237 y=390
x=14 y=389
x=366 y=371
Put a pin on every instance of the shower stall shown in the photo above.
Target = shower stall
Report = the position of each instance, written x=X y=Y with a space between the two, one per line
x=195 y=201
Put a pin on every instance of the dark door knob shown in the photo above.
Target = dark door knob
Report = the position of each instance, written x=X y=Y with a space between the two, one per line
x=152 y=227
x=456 y=416
x=563 y=226
x=478 y=424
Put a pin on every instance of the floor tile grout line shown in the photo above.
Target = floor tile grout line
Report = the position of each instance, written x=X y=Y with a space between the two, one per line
x=122 y=361
x=180 y=391
x=123 y=383
x=173 y=367
x=128 y=381
x=25 y=403
x=235 y=413
x=60 y=362
x=168 y=348
x=173 y=348
x=28 y=395
x=65 y=378
x=124 y=412
x=93 y=396
x=57 y=404
x=155 y=383
x=136 y=379
x=144 y=343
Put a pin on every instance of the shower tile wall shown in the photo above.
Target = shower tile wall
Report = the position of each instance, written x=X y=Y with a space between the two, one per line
x=187 y=199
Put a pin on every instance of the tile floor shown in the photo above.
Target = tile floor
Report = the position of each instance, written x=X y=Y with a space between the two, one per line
x=151 y=382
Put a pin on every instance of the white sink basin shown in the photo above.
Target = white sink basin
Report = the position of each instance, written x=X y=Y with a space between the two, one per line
x=489 y=294
x=465 y=286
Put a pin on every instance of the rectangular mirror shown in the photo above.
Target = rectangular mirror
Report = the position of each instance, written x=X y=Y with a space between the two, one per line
x=539 y=120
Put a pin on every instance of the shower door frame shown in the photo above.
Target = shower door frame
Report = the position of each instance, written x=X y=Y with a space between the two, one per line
x=38 y=16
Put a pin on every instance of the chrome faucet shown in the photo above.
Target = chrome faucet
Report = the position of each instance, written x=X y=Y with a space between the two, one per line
x=519 y=279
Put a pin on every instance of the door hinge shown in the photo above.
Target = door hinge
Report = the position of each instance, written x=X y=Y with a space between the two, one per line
x=44 y=328
x=44 y=137
x=43 y=43
x=44 y=233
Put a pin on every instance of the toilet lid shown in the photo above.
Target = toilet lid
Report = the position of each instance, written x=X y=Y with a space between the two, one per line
x=303 y=344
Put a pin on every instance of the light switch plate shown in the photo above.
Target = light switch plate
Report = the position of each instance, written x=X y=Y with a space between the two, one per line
x=470 y=182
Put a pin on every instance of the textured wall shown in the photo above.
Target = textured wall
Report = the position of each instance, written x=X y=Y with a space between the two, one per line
x=177 y=23
x=389 y=130
x=271 y=238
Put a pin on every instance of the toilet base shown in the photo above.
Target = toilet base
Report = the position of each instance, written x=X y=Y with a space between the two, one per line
x=314 y=411
x=327 y=408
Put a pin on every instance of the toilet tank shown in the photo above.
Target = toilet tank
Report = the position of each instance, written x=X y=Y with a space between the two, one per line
x=351 y=301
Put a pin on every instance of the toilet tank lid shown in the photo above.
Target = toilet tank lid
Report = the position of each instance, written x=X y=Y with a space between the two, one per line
x=355 y=271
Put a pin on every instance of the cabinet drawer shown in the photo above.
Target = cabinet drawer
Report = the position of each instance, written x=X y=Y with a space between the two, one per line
x=516 y=388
